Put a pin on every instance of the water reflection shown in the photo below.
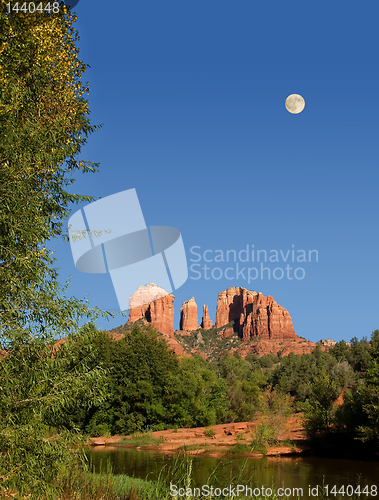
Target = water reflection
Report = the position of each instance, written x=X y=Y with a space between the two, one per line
x=290 y=472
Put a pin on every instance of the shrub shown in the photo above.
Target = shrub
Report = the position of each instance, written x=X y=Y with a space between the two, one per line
x=209 y=432
x=264 y=436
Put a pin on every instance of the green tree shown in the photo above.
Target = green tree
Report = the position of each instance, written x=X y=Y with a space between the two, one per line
x=368 y=430
x=201 y=396
x=318 y=408
x=43 y=125
x=340 y=351
x=142 y=371
x=358 y=417
x=244 y=383
x=38 y=385
x=295 y=373
x=359 y=356
x=44 y=122
x=374 y=344
x=93 y=348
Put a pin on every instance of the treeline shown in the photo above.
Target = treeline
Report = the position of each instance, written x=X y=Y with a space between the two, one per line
x=149 y=388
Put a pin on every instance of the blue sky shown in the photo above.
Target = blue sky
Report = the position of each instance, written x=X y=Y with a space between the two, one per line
x=191 y=98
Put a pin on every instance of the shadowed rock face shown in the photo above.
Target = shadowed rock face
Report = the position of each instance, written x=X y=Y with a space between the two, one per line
x=188 y=316
x=254 y=315
x=156 y=306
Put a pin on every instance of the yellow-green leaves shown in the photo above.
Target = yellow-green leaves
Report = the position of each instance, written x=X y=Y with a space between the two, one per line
x=43 y=125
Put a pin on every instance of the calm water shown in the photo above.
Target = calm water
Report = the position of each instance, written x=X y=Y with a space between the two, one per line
x=294 y=472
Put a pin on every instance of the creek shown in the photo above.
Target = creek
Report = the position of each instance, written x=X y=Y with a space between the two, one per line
x=269 y=472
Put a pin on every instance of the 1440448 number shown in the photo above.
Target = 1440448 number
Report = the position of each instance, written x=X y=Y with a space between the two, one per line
x=350 y=490
x=31 y=7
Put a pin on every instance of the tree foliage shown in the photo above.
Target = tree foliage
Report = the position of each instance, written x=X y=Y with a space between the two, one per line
x=149 y=388
x=359 y=415
x=318 y=407
x=44 y=123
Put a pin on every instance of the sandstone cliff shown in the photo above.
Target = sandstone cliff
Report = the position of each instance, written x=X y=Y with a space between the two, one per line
x=153 y=304
x=259 y=324
x=206 y=323
x=254 y=315
x=188 y=316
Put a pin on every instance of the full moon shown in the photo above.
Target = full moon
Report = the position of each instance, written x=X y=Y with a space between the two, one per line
x=295 y=104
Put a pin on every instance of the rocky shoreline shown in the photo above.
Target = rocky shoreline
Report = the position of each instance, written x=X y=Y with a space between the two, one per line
x=216 y=440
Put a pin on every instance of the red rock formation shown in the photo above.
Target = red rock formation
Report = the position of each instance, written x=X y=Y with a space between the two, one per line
x=281 y=348
x=254 y=315
x=227 y=332
x=155 y=305
x=326 y=343
x=206 y=323
x=265 y=326
x=188 y=316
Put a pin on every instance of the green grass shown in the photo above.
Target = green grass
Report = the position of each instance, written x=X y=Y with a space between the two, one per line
x=240 y=448
x=288 y=442
x=260 y=448
x=141 y=439
x=190 y=447
x=241 y=437
x=139 y=489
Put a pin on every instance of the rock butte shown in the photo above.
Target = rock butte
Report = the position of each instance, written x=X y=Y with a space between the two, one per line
x=188 y=316
x=206 y=323
x=254 y=315
x=154 y=305
x=249 y=314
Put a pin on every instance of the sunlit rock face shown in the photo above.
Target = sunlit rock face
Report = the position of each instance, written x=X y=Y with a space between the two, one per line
x=155 y=305
x=262 y=325
x=206 y=323
x=188 y=316
x=254 y=315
